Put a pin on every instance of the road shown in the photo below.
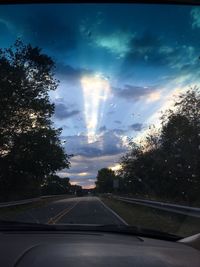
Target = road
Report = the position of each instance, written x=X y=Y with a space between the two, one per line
x=80 y=210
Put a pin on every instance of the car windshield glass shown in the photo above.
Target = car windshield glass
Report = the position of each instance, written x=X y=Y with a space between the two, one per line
x=100 y=115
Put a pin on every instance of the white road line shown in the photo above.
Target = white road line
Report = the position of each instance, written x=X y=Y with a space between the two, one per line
x=112 y=211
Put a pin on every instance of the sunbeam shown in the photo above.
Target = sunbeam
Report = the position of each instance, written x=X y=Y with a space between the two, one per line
x=96 y=91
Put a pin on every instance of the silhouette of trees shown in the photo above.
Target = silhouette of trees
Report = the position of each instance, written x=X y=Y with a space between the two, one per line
x=105 y=180
x=166 y=165
x=30 y=148
x=54 y=185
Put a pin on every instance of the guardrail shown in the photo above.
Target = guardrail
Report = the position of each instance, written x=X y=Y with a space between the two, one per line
x=26 y=201
x=185 y=210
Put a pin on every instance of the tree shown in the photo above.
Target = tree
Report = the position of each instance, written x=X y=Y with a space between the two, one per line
x=140 y=167
x=181 y=145
x=105 y=178
x=55 y=185
x=166 y=165
x=30 y=148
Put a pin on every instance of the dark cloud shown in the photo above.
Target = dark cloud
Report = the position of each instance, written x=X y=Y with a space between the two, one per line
x=78 y=145
x=111 y=143
x=44 y=26
x=102 y=129
x=112 y=111
x=136 y=127
x=155 y=50
x=117 y=121
x=70 y=73
x=132 y=92
x=108 y=143
x=62 y=111
x=146 y=43
x=49 y=28
x=145 y=49
x=90 y=151
x=118 y=131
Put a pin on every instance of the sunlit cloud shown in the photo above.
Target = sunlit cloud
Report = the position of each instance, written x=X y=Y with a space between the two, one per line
x=73 y=183
x=96 y=90
x=154 y=96
x=125 y=140
x=117 y=43
x=115 y=167
x=83 y=174
x=90 y=186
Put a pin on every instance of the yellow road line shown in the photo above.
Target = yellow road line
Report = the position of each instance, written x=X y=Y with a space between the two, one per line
x=52 y=218
x=58 y=216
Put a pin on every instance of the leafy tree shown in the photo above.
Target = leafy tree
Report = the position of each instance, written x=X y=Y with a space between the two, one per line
x=166 y=165
x=140 y=167
x=181 y=145
x=105 y=178
x=30 y=147
x=55 y=185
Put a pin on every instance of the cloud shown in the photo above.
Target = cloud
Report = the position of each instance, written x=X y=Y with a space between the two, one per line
x=131 y=92
x=85 y=182
x=195 y=15
x=111 y=112
x=50 y=28
x=117 y=121
x=101 y=35
x=145 y=43
x=117 y=43
x=136 y=127
x=109 y=142
x=118 y=131
x=62 y=111
x=44 y=26
x=144 y=48
x=89 y=165
x=69 y=73
x=102 y=129
x=151 y=50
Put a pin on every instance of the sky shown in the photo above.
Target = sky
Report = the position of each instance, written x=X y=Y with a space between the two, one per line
x=119 y=66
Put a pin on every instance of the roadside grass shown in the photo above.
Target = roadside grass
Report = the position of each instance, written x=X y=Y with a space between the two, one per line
x=194 y=203
x=147 y=217
x=8 y=213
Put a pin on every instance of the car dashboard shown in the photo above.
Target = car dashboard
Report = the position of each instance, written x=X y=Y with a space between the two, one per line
x=85 y=249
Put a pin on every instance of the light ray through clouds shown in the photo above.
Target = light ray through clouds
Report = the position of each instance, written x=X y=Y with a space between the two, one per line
x=96 y=90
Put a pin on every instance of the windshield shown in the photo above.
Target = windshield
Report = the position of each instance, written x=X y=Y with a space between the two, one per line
x=100 y=115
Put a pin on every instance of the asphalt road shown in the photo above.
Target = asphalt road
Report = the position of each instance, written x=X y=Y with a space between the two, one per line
x=80 y=210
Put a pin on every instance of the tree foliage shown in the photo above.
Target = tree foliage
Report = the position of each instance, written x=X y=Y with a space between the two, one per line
x=166 y=165
x=105 y=180
x=30 y=148
x=54 y=185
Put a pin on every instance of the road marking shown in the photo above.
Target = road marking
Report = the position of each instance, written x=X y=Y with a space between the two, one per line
x=58 y=216
x=113 y=212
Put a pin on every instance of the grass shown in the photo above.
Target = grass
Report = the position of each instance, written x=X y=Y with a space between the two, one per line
x=7 y=213
x=152 y=218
